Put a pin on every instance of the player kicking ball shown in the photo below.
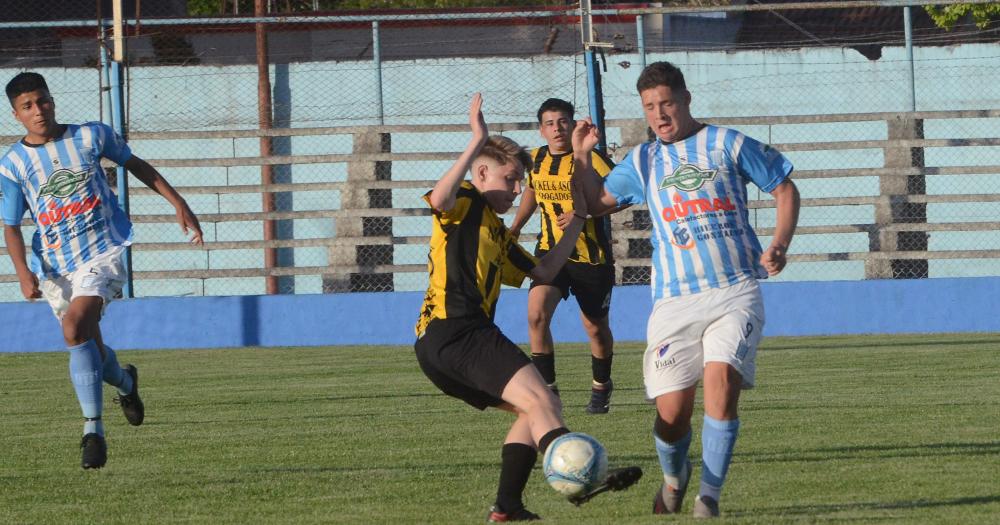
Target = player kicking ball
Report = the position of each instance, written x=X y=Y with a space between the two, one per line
x=55 y=173
x=458 y=346
x=708 y=313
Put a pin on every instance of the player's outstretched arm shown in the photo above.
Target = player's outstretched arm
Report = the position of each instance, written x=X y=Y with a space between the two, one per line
x=585 y=138
x=15 y=248
x=152 y=178
x=442 y=197
x=549 y=265
x=786 y=198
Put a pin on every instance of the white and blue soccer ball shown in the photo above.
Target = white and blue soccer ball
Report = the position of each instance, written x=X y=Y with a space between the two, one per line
x=574 y=464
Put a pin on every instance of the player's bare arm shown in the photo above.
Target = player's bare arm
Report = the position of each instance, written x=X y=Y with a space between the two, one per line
x=15 y=247
x=152 y=178
x=553 y=261
x=786 y=197
x=586 y=136
x=525 y=210
x=442 y=197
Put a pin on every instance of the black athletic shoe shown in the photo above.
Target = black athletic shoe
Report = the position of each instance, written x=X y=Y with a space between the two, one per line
x=95 y=451
x=618 y=479
x=600 y=398
x=131 y=404
x=497 y=516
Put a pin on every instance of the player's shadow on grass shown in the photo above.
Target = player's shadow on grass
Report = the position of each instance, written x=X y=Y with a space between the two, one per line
x=818 y=510
x=929 y=450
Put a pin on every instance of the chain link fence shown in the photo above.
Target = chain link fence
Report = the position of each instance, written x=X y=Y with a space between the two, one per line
x=308 y=178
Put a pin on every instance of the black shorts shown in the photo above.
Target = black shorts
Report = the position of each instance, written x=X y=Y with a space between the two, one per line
x=591 y=284
x=469 y=358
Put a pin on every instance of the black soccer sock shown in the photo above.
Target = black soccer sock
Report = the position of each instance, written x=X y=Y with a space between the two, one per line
x=546 y=364
x=549 y=437
x=601 y=368
x=517 y=460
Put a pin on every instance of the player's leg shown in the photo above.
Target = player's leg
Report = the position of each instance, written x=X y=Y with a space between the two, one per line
x=473 y=361
x=126 y=381
x=672 y=441
x=517 y=459
x=542 y=302
x=730 y=354
x=672 y=366
x=592 y=285
x=79 y=324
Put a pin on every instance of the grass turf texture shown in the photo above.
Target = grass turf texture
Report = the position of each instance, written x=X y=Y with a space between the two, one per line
x=840 y=429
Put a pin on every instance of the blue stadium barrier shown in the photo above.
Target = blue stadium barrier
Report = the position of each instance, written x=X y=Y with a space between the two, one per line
x=793 y=309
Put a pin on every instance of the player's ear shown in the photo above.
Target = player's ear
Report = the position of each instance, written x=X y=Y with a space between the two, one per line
x=482 y=170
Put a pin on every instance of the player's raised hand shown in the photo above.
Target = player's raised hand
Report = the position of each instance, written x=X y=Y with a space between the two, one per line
x=586 y=136
x=773 y=259
x=189 y=224
x=476 y=120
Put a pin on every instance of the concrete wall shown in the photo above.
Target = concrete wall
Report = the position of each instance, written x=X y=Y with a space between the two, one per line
x=800 y=308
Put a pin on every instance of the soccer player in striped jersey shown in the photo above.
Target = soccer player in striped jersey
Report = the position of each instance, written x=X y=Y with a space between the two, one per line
x=590 y=272
x=458 y=346
x=708 y=313
x=55 y=174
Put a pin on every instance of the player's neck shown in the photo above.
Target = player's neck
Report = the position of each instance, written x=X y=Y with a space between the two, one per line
x=556 y=150
x=51 y=133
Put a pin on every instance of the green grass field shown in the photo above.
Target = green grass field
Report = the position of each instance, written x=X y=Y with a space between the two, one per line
x=840 y=429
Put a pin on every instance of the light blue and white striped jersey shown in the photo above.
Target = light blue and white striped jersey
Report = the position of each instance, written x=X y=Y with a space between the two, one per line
x=63 y=186
x=696 y=191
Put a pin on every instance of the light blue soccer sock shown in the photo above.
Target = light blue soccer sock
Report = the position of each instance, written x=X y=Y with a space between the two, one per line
x=114 y=375
x=673 y=459
x=717 y=441
x=85 y=373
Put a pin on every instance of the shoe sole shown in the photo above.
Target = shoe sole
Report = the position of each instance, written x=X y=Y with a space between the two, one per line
x=618 y=479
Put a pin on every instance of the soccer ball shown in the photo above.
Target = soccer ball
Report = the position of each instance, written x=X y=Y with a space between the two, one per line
x=574 y=464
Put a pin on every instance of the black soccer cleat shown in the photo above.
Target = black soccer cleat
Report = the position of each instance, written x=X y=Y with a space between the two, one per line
x=496 y=515
x=95 y=451
x=600 y=398
x=131 y=404
x=617 y=479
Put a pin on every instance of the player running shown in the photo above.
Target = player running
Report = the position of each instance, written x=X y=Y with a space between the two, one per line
x=708 y=313
x=55 y=174
x=589 y=274
x=458 y=346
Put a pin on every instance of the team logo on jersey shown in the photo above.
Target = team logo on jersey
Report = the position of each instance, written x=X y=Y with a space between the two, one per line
x=682 y=239
x=688 y=177
x=63 y=183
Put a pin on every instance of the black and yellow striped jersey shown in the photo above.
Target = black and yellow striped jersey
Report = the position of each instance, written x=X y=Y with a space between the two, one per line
x=471 y=254
x=549 y=179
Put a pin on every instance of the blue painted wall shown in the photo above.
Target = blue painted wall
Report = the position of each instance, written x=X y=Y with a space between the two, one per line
x=793 y=308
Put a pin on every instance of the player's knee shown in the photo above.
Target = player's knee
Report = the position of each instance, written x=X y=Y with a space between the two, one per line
x=539 y=319
x=73 y=330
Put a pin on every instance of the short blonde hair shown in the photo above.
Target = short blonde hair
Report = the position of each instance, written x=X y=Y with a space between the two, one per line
x=502 y=150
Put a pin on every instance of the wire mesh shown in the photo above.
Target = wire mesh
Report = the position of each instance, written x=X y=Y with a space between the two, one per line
x=368 y=108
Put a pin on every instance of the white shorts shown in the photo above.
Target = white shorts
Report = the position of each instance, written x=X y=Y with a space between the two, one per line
x=102 y=276
x=719 y=325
